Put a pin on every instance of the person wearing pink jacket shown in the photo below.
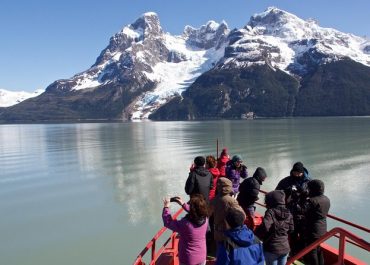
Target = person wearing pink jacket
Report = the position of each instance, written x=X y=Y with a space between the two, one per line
x=192 y=229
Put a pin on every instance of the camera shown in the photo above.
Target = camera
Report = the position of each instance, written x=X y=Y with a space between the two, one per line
x=175 y=199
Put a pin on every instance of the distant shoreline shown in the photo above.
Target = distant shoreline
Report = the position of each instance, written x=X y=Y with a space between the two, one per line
x=73 y=121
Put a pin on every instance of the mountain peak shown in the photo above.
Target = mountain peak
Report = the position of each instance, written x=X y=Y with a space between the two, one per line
x=146 y=26
x=149 y=14
x=279 y=23
x=274 y=16
x=212 y=34
x=148 y=23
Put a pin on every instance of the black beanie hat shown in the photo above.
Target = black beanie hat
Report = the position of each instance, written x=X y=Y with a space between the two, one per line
x=199 y=161
x=235 y=217
x=298 y=167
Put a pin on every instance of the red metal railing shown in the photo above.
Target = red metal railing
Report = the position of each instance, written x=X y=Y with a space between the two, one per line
x=337 y=231
x=152 y=244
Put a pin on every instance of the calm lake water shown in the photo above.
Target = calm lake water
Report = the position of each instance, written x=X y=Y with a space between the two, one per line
x=92 y=193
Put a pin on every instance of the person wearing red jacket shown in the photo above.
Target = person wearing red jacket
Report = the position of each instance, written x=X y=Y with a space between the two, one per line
x=211 y=166
x=221 y=162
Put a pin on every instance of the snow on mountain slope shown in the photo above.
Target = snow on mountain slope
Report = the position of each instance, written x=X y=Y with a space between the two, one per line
x=281 y=39
x=174 y=77
x=10 y=98
x=143 y=52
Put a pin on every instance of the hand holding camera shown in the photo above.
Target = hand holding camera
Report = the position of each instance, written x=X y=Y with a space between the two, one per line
x=177 y=199
x=166 y=202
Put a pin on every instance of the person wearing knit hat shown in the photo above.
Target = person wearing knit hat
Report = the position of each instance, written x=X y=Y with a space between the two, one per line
x=239 y=246
x=237 y=158
x=235 y=218
x=296 y=192
x=236 y=170
x=298 y=167
x=298 y=179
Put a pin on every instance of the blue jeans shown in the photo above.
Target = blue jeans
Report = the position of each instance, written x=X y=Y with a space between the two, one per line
x=273 y=259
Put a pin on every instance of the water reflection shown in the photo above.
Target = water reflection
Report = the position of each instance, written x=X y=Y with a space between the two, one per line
x=149 y=160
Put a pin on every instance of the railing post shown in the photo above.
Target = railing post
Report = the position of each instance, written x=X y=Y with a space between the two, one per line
x=173 y=241
x=153 y=253
x=175 y=252
x=342 y=242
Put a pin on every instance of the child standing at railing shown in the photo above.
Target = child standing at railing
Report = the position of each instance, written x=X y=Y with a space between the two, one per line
x=277 y=224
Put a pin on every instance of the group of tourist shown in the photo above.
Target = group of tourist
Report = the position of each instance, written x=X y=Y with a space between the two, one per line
x=220 y=217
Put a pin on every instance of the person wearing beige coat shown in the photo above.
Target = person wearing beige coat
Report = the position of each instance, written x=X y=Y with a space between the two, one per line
x=220 y=205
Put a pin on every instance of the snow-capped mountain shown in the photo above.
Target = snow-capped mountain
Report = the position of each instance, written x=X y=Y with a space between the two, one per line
x=10 y=98
x=291 y=44
x=144 y=68
x=143 y=52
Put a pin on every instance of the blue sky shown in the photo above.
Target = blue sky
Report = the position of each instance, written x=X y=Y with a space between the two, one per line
x=45 y=40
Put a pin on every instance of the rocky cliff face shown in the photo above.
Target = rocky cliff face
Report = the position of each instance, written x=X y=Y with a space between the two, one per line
x=266 y=67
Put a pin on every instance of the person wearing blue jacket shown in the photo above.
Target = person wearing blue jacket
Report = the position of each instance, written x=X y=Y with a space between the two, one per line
x=240 y=246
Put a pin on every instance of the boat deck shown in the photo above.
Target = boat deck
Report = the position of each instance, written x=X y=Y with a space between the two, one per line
x=167 y=254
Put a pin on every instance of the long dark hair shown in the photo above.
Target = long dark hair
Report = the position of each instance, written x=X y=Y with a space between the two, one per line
x=198 y=208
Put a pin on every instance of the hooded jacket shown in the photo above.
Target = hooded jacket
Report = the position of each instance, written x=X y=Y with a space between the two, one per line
x=200 y=181
x=234 y=174
x=239 y=247
x=221 y=164
x=249 y=189
x=277 y=224
x=316 y=209
x=215 y=175
x=220 y=205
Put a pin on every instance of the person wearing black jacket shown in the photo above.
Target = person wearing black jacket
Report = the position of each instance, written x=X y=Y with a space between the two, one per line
x=248 y=194
x=296 y=192
x=200 y=180
x=316 y=209
x=277 y=224
x=295 y=185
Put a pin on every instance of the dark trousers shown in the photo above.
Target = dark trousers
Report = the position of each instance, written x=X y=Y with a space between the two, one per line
x=296 y=239
x=316 y=256
x=210 y=241
x=296 y=242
